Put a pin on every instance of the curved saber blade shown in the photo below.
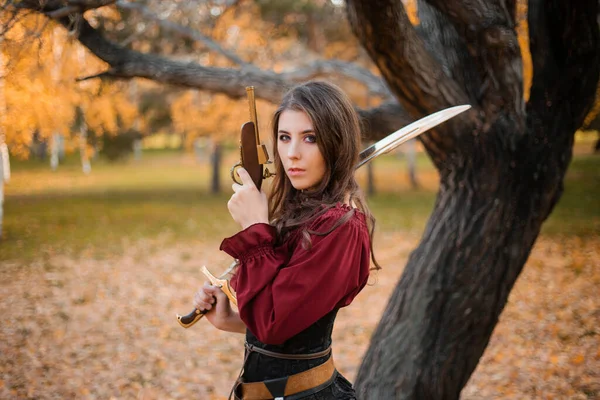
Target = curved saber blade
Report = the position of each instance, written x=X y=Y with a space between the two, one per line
x=410 y=131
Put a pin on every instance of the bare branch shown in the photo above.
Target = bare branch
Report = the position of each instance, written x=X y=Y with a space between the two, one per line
x=183 y=31
x=105 y=74
x=375 y=84
x=57 y=9
x=11 y=20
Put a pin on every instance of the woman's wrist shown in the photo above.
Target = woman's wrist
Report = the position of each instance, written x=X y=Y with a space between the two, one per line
x=233 y=323
x=249 y=224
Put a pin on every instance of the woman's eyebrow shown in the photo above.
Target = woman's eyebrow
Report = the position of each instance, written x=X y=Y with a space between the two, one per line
x=304 y=131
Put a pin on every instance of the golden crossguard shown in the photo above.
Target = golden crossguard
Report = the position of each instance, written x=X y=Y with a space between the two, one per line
x=190 y=319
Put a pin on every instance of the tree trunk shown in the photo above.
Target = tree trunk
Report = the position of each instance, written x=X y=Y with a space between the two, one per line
x=215 y=158
x=370 y=179
x=501 y=173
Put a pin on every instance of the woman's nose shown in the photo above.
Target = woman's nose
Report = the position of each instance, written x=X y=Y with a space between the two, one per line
x=293 y=150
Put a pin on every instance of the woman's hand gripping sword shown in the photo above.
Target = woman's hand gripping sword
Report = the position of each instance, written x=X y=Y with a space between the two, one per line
x=188 y=320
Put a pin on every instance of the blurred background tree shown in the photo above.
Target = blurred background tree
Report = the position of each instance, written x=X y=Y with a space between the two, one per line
x=501 y=166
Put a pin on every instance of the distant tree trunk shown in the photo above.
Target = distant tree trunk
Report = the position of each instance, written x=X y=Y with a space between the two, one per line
x=86 y=166
x=215 y=159
x=501 y=172
x=4 y=177
x=411 y=163
x=1 y=195
x=370 y=179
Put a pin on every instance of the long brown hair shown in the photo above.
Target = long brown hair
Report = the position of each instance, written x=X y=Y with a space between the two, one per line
x=337 y=128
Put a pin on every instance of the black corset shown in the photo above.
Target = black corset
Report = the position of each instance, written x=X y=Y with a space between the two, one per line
x=315 y=338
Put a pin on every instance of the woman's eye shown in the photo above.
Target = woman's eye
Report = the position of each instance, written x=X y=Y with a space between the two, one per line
x=310 y=138
x=284 y=137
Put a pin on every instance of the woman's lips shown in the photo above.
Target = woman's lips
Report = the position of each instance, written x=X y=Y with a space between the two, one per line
x=295 y=171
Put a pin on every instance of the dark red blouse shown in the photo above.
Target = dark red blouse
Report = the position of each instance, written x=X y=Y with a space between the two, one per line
x=282 y=290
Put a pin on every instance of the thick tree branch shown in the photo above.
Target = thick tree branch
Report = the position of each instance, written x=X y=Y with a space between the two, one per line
x=375 y=84
x=59 y=8
x=563 y=87
x=385 y=31
x=489 y=28
x=378 y=122
x=126 y=63
x=444 y=43
x=563 y=72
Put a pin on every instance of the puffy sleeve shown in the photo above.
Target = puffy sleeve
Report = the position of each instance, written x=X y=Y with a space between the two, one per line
x=280 y=296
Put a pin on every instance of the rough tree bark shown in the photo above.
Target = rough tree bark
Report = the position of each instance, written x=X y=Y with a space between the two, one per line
x=501 y=171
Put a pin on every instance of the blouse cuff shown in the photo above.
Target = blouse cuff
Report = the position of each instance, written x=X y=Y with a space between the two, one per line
x=255 y=239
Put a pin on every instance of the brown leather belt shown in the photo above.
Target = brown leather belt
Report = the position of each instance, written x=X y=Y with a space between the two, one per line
x=290 y=385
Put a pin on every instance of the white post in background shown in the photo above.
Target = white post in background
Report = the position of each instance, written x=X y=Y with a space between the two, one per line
x=86 y=167
x=4 y=177
x=137 y=141
x=4 y=160
x=54 y=149
x=55 y=142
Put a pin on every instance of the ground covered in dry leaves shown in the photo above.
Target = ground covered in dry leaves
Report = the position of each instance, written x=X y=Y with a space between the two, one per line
x=104 y=329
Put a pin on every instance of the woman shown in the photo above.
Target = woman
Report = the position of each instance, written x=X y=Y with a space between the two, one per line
x=303 y=253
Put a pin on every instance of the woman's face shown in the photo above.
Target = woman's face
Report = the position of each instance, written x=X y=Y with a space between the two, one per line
x=298 y=150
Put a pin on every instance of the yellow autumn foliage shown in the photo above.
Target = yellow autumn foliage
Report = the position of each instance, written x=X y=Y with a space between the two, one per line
x=41 y=91
x=216 y=116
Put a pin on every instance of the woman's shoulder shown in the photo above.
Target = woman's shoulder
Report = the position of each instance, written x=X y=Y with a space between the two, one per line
x=339 y=212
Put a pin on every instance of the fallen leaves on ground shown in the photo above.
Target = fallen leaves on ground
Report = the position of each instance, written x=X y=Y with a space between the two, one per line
x=106 y=329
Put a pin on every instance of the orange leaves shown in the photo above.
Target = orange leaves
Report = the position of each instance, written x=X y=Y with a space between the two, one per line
x=41 y=91
x=216 y=116
x=547 y=335
x=578 y=359
x=122 y=340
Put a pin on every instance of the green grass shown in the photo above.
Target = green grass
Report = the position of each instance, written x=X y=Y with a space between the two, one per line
x=165 y=195
x=578 y=211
